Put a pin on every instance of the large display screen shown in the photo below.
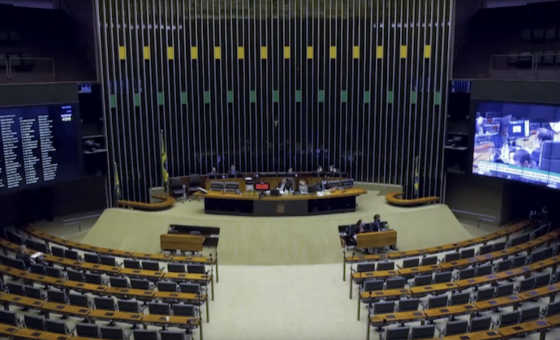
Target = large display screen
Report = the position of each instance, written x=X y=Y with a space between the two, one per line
x=39 y=145
x=519 y=142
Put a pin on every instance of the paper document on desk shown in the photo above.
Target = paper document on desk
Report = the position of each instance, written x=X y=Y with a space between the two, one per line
x=321 y=194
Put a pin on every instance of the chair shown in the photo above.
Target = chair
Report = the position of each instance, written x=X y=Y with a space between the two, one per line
x=383 y=307
x=504 y=289
x=193 y=288
x=176 y=268
x=173 y=335
x=518 y=261
x=15 y=288
x=79 y=300
x=485 y=249
x=57 y=251
x=129 y=306
x=551 y=309
x=132 y=264
x=167 y=286
x=481 y=323
x=503 y=266
x=10 y=318
x=114 y=333
x=95 y=279
x=147 y=334
x=466 y=253
x=74 y=275
x=38 y=269
x=35 y=293
x=30 y=244
x=397 y=333
x=508 y=319
x=372 y=285
x=109 y=261
x=57 y=296
x=484 y=270
x=484 y=294
x=422 y=332
x=435 y=302
x=91 y=258
x=41 y=247
x=197 y=269
x=459 y=299
x=150 y=265
x=526 y=284
x=104 y=303
x=365 y=267
x=410 y=263
x=429 y=261
x=34 y=322
x=88 y=330
x=442 y=277
x=177 y=188
x=54 y=272
x=120 y=282
x=542 y=279
x=141 y=284
x=422 y=280
x=19 y=264
x=194 y=184
x=72 y=255
x=184 y=310
x=159 y=308
x=395 y=283
x=450 y=257
x=466 y=273
x=455 y=327
x=519 y=239
x=385 y=266
x=498 y=246
x=56 y=326
x=408 y=305
x=530 y=314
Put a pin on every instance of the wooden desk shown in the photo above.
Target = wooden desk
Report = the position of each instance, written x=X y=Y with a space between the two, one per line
x=395 y=198
x=382 y=274
x=181 y=242
x=433 y=289
x=377 y=239
x=413 y=271
x=392 y=318
x=202 y=279
x=483 y=335
x=379 y=295
x=501 y=302
x=166 y=202
x=8 y=330
x=525 y=328
x=439 y=313
x=541 y=292
x=32 y=334
x=251 y=204
x=463 y=263
x=476 y=281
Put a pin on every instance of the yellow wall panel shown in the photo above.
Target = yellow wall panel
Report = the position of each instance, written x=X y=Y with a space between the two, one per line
x=240 y=52
x=146 y=52
x=356 y=52
x=379 y=52
x=332 y=52
x=264 y=52
x=404 y=52
x=217 y=53
x=122 y=52
x=309 y=52
x=170 y=53
x=287 y=52
x=428 y=51
x=194 y=52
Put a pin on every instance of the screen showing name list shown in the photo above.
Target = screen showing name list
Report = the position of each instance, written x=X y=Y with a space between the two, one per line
x=38 y=146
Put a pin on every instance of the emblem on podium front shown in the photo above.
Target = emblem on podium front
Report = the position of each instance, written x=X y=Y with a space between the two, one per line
x=280 y=208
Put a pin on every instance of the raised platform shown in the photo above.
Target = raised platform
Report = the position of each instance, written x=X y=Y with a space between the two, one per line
x=278 y=240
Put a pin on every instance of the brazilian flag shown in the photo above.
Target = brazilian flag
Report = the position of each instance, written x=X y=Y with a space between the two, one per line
x=164 y=173
x=416 y=177
x=117 y=184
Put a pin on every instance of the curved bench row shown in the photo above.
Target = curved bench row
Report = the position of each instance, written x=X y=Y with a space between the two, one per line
x=103 y=290
x=203 y=279
x=121 y=253
x=166 y=203
x=434 y=250
x=395 y=198
x=103 y=315
x=13 y=332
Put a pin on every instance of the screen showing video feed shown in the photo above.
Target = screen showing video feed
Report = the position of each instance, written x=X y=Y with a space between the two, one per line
x=519 y=142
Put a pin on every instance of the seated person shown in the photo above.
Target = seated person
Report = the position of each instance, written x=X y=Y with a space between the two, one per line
x=522 y=158
x=350 y=238
x=303 y=187
x=377 y=225
x=22 y=255
x=543 y=135
x=213 y=173
x=285 y=185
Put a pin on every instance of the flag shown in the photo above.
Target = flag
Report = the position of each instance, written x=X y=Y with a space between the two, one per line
x=416 y=178
x=164 y=173
x=117 y=184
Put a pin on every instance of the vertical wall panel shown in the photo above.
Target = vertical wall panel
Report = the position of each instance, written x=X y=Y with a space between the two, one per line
x=269 y=85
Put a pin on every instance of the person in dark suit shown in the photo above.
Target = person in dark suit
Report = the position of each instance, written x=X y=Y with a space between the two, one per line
x=290 y=170
x=319 y=169
x=21 y=255
x=285 y=185
x=376 y=224
x=501 y=139
x=543 y=135
x=213 y=172
x=233 y=171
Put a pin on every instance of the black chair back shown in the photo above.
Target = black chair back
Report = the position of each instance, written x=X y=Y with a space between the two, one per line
x=128 y=306
x=423 y=280
x=159 y=308
x=150 y=265
x=176 y=268
x=386 y=265
x=91 y=258
x=132 y=264
x=56 y=326
x=184 y=310
x=373 y=285
x=429 y=260
x=409 y=263
x=481 y=323
x=79 y=300
x=167 y=286
x=442 y=277
x=88 y=330
x=104 y=303
x=408 y=305
x=365 y=267
x=456 y=327
x=422 y=332
x=193 y=288
x=383 y=307
x=397 y=333
x=140 y=284
x=196 y=269
x=120 y=282
x=146 y=334
x=504 y=289
x=57 y=296
x=459 y=299
x=34 y=322
x=466 y=253
x=396 y=283
x=437 y=301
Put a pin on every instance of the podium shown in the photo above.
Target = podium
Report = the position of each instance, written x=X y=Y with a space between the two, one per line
x=181 y=242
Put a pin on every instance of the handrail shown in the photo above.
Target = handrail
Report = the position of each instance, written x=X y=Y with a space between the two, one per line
x=167 y=202
x=395 y=198
x=10 y=76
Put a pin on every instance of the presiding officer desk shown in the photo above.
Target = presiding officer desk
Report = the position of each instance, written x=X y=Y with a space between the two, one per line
x=252 y=203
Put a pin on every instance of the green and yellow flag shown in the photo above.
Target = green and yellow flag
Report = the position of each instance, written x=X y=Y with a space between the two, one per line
x=164 y=173
x=117 y=184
